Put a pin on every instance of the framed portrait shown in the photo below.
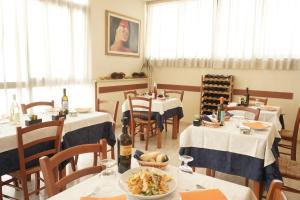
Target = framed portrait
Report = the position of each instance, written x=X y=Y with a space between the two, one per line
x=122 y=35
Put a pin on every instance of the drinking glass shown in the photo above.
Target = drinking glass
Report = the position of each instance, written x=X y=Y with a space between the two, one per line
x=107 y=180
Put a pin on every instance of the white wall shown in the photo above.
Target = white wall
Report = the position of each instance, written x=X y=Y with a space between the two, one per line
x=103 y=65
x=281 y=81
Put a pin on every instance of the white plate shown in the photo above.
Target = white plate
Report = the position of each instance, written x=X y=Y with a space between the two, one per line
x=83 y=110
x=125 y=176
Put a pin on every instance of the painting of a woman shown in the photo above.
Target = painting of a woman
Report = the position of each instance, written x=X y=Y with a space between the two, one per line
x=123 y=35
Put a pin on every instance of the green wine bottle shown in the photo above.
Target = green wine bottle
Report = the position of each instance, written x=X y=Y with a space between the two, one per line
x=65 y=102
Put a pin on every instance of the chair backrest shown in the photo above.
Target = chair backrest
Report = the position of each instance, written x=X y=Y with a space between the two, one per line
x=275 y=191
x=177 y=92
x=46 y=132
x=254 y=111
x=49 y=166
x=295 y=135
x=113 y=111
x=252 y=100
x=25 y=107
x=140 y=108
x=131 y=93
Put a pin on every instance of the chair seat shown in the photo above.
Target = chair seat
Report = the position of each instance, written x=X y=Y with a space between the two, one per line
x=289 y=168
x=286 y=134
x=17 y=174
x=144 y=122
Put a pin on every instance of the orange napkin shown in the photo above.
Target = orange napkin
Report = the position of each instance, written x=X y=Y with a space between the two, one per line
x=213 y=194
x=255 y=125
x=121 y=197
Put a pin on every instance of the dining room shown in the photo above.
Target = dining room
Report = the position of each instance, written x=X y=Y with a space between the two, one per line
x=149 y=99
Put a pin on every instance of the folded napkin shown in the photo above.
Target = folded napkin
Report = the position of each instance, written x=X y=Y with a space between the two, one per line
x=213 y=194
x=121 y=197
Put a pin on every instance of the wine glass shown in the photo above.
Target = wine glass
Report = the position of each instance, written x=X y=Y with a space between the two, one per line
x=186 y=159
x=184 y=184
x=108 y=177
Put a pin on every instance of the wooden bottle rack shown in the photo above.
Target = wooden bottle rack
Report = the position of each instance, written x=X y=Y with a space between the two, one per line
x=212 y=88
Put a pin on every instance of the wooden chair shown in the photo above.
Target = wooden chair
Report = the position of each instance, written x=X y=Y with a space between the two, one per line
x=290 y=138
x=179 y=93
x=254 y=111
x=49 y=166
x=290 y=169
x=132 y=93
x=140 y=117
x=25 y=107
x=55 y=128
x=113 y=112
x=275 y=191
x=263 y=101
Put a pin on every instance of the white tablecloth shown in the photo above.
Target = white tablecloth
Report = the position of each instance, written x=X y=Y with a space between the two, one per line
x=8 y=139
x=229 y=139
x=266 y=116
x=159 y=106
x=231 y=191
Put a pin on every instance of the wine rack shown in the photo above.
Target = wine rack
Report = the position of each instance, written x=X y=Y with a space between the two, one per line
x=213 y=87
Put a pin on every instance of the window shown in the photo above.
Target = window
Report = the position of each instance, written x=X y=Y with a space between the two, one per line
x=224 y=33
x=44 y=48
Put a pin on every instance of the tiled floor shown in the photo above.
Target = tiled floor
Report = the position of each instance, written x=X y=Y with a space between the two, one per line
x=170 y=147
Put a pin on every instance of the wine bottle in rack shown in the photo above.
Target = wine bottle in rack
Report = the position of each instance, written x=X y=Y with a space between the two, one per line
x=124 y=144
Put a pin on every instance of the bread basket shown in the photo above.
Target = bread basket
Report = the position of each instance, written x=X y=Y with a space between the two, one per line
x=211 y=124
x=160 y=165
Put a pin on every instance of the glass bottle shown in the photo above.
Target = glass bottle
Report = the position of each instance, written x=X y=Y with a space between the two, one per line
x=124 y=144
x=221 y=111
x=247 y=97
x=14 y=111
x=65 y=102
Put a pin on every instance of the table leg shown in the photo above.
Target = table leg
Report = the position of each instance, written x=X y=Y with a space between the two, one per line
x=256 y=187
x=158 y=135
x=175 y=127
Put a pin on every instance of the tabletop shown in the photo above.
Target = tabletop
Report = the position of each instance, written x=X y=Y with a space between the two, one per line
x=8 y=139
x=158 y=105
x=87 y=186
x=228 y=138
x=267 y=114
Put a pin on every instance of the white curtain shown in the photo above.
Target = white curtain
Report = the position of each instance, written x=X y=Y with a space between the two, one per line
x=252 y=34
x=44 y=48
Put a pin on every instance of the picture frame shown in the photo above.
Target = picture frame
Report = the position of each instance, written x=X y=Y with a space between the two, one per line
x=122 y=35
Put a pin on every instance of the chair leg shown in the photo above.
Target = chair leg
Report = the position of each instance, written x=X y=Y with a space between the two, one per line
x=166 y=126
x=16 y=183
x=24 y=187
x=132 y=136
x=37 y=183
x=95 y=159
x=213 y=173
x=74 y=162
x=1 y=194
x=246 y=182
x=147 y=137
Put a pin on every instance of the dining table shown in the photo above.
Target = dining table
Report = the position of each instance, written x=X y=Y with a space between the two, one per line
x=196 y=181
x=83 y=128
x=162 y=109
x=267 y=113
x=227 y=149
